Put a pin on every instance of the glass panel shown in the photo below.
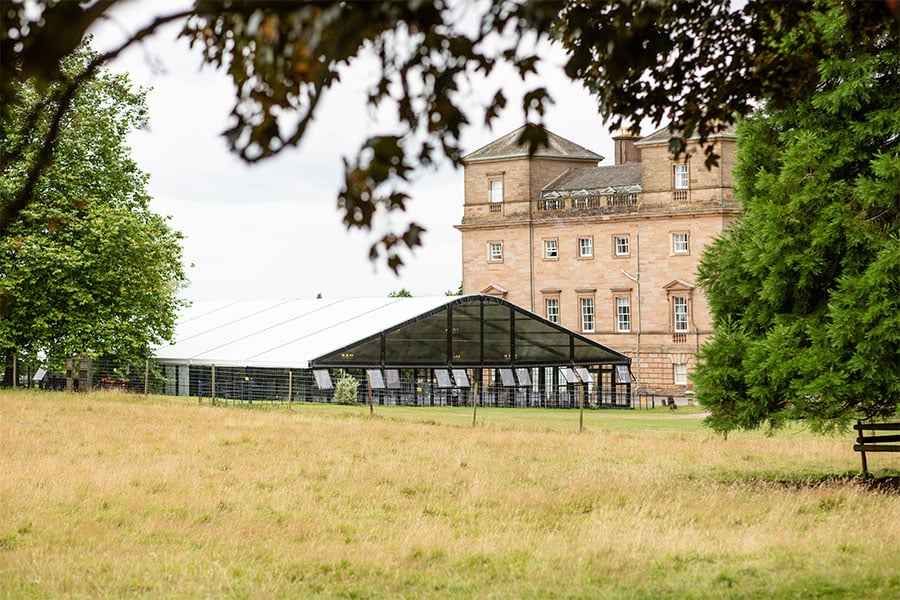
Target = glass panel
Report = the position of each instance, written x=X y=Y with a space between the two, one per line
x=376 y=381
x=567 y=374
x=392 y=378
x=506 y=376
x=622 y=374
x=443 y=378
x=467 y=333
x=367 y=352
x=496 y=334
x=461 y=378
x=589 y=353
x=584 y=375
x=421 y=342
x=524 y=377
x=539 y=343
x=323 y=379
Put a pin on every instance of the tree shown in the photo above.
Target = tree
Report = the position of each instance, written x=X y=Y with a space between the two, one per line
x=805 y=289
x=698 y=65
x=87 y=268
x=401 y=293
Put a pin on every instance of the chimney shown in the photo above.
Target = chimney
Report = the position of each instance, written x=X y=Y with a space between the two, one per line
x=625 y=150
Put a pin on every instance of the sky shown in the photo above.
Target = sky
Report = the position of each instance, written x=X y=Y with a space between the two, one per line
x=272 y=230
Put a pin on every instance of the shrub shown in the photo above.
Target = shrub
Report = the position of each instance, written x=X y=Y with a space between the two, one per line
x=345 y=389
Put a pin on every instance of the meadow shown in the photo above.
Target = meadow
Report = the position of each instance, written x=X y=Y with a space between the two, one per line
x=112 y=495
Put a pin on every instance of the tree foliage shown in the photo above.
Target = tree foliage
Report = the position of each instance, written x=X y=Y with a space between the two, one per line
x=697 y=65
x=805 y=289
x=87 y=268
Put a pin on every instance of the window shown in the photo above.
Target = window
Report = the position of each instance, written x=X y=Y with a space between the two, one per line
x=495 y=251
x=623 y=314
x=585 y=247
x=551 y=249
x=680 y=243
x=621 y=245
x=552 y=306
x=680 y=313
x=587 y=314
x=496 y=187
x=680 y=374
x=682 y=177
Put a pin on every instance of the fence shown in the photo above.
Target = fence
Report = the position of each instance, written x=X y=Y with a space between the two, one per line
x=550 y=400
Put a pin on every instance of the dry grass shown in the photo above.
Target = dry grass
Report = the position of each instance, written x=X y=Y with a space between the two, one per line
x=118 y=496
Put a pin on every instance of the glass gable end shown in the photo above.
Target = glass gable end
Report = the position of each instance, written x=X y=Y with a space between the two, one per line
x=473 y=331
x=423 y=342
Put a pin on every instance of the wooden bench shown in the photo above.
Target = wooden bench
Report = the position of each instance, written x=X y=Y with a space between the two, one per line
x=874 y=442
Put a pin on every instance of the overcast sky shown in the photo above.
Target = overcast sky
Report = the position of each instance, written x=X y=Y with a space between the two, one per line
x=272 y=230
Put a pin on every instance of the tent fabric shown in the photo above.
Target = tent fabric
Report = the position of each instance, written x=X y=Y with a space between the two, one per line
x=376 y=332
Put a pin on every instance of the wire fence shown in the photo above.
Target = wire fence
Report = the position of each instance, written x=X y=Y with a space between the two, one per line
x=537 y=397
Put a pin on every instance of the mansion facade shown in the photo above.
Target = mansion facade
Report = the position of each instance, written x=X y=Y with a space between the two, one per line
x=607 y=251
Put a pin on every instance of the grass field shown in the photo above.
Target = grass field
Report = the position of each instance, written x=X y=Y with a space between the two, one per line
x=110 y=496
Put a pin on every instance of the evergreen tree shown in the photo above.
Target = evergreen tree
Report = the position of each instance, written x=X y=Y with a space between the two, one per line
x=805 y=289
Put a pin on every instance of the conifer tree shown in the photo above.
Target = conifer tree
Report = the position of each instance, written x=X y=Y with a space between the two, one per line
x=805 y=289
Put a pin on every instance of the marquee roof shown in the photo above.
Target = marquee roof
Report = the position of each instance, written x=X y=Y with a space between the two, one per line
x=440 y=331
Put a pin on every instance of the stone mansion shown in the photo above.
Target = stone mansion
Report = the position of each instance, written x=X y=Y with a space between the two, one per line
x=608 y=251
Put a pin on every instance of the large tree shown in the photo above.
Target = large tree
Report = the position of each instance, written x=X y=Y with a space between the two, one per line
x=694 y=64
x=805 y=289
x=87 y=268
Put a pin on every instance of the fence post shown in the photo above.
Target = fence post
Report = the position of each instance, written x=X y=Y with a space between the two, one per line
x=15 y=366
x=290 y=385
x=474 y=402
x=580 y=408
x=146 y=377
x=212 y=393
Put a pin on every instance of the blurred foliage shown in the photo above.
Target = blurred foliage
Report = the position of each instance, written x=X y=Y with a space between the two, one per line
x=695 y=65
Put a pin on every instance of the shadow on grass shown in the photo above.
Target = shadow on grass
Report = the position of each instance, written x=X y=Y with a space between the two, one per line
x=886 y=481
